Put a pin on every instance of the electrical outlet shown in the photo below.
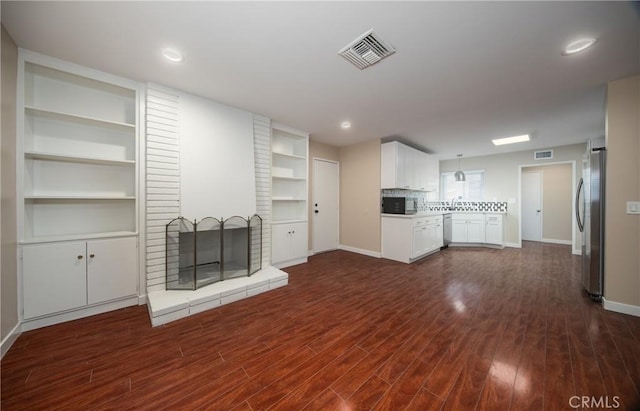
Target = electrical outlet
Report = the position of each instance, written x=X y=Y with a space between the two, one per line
x=633 y=207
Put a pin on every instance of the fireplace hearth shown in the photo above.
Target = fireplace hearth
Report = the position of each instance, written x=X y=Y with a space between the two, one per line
x=204 y=252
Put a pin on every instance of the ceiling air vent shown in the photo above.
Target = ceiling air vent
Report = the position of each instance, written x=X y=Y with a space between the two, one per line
x=366 y=50
x=543 y=155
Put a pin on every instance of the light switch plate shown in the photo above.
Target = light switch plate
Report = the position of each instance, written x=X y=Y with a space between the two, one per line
x=633 y=207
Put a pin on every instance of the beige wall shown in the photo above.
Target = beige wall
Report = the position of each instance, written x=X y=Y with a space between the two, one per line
x=325 y=152
x=501 y=178
x=622 y=231
x=360 y=196
x=557 y=201
x=8 y=280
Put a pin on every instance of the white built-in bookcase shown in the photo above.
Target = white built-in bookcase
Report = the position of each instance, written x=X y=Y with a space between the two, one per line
x=78 y=153
x=289 y=176
x=289 y=194
x=77 y=190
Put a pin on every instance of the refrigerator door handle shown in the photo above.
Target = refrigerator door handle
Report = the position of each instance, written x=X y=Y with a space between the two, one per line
x=578 y=218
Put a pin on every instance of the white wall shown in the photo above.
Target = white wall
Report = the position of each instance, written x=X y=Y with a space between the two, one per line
x=217 y=174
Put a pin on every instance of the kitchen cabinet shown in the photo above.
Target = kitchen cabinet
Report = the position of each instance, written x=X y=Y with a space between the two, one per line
x=403 y=167
x=468 y=228
x=406 y=238
x=494 y=230
x=288 y=244
x=71 y=275
x=427 y=235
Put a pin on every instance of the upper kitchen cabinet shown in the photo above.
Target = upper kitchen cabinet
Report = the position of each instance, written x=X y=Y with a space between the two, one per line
x=78 y=151
x=403 y=167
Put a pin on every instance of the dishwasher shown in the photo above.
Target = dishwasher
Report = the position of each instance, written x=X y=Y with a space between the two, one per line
x=446 y=227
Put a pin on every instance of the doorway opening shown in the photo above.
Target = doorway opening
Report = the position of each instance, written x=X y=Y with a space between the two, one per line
x=546 y=203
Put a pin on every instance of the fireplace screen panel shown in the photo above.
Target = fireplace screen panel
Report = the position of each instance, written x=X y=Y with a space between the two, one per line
x=211 y=250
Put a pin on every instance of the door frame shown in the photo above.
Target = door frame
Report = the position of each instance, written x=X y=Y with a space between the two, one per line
x=312 y=202
x=575 y=248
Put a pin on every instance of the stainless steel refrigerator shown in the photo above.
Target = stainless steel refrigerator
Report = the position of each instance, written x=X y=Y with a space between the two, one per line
x=589 y=207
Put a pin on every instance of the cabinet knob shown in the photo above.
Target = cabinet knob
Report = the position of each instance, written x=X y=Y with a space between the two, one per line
x=79 y=257
x=293 y=232
x=91 y=255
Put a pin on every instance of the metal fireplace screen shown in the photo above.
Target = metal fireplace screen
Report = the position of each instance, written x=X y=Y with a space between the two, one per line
x=211 y=250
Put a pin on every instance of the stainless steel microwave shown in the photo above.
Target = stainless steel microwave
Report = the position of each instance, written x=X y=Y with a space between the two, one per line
x=399 y=205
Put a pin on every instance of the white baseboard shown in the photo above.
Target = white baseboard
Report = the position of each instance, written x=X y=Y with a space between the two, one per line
x=142 y=299
x=10 y=339
x=554 y=241
x=576 y=252
x=375 y=254
x=512 y=245
x=32 y=324
x=621 y=308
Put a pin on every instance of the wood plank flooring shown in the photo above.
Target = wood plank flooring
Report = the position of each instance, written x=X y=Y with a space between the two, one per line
x=464 y=329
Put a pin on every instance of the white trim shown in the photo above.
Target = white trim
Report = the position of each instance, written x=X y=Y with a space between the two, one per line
x=513 y=245
x=375 y=254
x=554 y=241
x=576 y=252
x=10 y=339
x=621 y=307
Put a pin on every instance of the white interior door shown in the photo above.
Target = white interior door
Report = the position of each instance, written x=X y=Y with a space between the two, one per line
x=326 y=183
x=532 y=205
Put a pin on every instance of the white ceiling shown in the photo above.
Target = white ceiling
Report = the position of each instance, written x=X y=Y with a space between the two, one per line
x=463 y=73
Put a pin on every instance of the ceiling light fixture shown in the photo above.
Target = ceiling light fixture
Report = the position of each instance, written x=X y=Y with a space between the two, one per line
x=345 y=125
x=172 y=55
x=510 y=140
x=459 y=175
x=578 y=46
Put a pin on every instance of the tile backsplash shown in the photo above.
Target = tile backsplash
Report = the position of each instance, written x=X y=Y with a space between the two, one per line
x=426 y=202
x=496 y=206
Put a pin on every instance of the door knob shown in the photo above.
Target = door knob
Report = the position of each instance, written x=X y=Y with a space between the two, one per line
x=316 y=211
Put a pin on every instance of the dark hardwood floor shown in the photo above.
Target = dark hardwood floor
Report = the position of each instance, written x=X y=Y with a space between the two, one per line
x=462 y=329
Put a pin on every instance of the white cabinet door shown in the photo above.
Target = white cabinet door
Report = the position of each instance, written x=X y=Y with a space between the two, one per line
x=111 y=269
x=437 y=235
x=494 y=232
x=298 y=241
x=420 y=241
x=54 y=278
x=280 y=234
x=404 y=166
x=459 y=231
x=432 y=173
x=288 y=242
x=475 y=231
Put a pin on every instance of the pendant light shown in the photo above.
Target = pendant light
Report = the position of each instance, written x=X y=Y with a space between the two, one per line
x=459 y=175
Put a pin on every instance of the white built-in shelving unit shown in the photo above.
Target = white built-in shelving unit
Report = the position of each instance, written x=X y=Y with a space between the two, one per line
x=289 y=193
x=77 y=181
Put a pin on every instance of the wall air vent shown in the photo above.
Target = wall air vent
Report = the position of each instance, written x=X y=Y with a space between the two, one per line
x=543 y=155
x=366 y=50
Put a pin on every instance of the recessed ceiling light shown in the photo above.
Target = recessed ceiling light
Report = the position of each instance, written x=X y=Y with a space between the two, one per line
x=172 y=55
x=345 y=125
x=578 y=45
x=511 y=140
